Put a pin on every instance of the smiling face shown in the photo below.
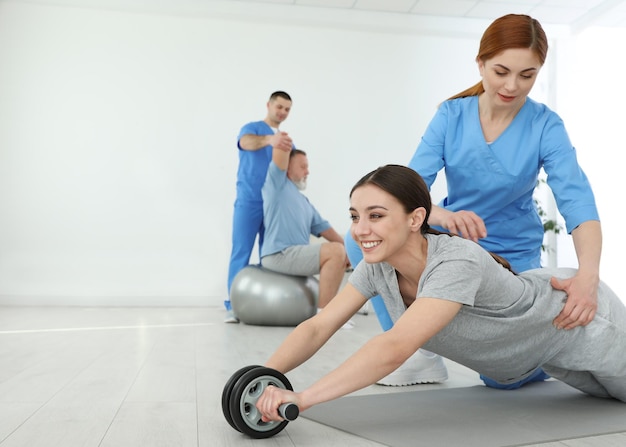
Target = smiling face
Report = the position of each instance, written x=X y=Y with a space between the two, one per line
x=380 y=224
x=509 y=76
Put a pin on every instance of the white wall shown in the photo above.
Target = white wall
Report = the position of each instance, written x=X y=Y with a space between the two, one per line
x=118 y=132
x=591 y=101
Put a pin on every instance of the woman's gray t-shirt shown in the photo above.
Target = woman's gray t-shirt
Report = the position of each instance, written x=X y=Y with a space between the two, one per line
x=504 y=328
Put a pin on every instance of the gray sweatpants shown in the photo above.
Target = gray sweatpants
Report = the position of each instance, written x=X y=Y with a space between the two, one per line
x=602 y=343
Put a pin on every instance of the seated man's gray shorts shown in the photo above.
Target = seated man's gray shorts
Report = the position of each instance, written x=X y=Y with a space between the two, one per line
x=300 y=260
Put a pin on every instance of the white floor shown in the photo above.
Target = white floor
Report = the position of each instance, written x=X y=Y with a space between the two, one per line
x=72 y=376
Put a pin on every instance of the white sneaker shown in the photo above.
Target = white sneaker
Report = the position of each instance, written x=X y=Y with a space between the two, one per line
x=230 y=317
x=422 y=367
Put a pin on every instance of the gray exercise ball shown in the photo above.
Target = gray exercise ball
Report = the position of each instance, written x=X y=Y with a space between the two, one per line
x=266 y=298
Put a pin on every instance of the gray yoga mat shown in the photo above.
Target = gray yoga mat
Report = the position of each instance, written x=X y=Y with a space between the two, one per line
x=473 y=417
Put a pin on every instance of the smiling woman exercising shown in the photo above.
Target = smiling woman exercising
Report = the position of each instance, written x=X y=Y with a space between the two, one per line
x=450 y=296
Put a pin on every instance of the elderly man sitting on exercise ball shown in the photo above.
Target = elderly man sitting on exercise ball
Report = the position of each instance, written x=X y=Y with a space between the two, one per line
x=290 y=219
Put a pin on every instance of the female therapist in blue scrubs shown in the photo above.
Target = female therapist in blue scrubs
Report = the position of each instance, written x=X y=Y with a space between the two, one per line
x=492 y=140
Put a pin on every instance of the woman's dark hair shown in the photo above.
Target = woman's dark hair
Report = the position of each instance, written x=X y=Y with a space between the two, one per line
x=409 y=188
x=507 y=32
x=404 y=184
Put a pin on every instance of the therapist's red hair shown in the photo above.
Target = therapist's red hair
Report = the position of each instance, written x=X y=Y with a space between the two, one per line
x=507 y=32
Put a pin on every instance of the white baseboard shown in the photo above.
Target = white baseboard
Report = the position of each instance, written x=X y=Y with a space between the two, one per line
x=112 y=301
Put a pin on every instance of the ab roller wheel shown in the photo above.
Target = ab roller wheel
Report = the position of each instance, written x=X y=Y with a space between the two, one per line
x=240 y=395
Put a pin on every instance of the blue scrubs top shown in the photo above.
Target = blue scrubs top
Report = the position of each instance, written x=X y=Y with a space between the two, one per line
x=253 y=164
x=496 y=180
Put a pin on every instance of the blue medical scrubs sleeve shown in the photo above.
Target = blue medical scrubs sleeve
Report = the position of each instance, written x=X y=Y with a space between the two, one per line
x=260 y=128
x=571 y=187
x=428 y=159
x=253 y=164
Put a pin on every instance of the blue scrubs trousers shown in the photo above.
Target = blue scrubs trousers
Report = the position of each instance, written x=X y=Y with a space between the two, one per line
x=247 y=223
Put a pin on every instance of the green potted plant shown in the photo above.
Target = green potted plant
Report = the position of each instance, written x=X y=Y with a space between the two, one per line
x=549 y=225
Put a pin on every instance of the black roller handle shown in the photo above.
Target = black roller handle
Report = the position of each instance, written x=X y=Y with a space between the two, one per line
x=289 y=411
